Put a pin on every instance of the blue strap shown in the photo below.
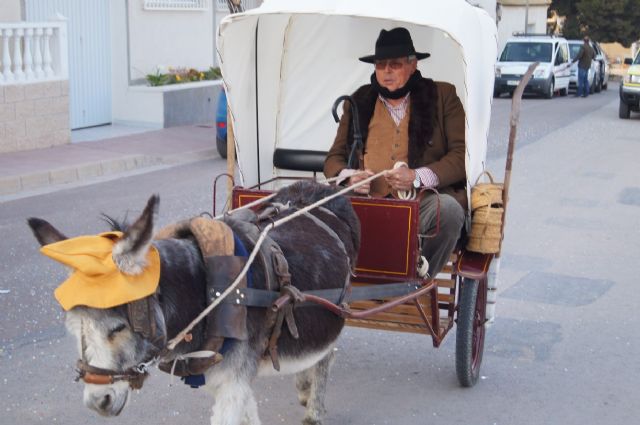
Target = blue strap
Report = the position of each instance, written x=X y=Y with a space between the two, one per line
x=194 y=381
x=241 y=251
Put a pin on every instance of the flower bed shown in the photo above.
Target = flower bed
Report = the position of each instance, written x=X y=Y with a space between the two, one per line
x=181 y=75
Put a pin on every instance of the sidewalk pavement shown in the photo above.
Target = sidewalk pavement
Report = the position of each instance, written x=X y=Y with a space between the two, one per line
x=25 y=171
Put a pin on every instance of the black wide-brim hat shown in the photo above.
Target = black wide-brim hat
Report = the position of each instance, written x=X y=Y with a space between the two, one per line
x=395 y=43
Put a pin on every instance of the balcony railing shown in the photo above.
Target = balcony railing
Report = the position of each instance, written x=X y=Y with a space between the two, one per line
x=185 y=5
x=33 y=51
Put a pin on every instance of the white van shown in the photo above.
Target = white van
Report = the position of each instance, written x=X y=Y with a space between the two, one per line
x=551 y=75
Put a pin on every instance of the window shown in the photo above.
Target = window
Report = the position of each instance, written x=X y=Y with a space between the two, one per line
x=176 y=5
x=526 y=52
x=574 y=48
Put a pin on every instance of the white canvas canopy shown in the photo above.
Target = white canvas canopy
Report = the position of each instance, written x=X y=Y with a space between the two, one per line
x=285 y=63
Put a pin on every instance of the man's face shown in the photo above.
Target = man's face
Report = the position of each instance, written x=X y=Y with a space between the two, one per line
x=393 y=74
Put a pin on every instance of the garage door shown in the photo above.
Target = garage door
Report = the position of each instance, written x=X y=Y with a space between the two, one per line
x=89 y=55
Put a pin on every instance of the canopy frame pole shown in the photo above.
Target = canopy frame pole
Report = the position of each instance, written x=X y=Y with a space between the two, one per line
x=255 y=61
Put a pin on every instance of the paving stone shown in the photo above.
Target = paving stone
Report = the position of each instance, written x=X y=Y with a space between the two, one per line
x=63 y=176
x=522 y=339
x=35 y=180
x=89 y=171
x=9 y=185
x=557 y=289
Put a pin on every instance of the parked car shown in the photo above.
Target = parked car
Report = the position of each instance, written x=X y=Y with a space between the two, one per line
x=551 y=75
x=602 y=60
x=221 y=124
x=630 y=88
x=594 y=71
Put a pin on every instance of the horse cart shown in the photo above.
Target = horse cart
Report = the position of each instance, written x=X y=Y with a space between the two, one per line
x=329 y=257
x=283 y=66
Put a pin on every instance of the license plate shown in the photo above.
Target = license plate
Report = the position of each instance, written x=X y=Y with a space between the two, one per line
x=512 y=83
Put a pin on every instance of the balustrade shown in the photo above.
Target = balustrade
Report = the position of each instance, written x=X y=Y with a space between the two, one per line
x=33 y=51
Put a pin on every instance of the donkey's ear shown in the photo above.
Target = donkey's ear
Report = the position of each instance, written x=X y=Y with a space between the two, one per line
x=130 y=252
x=44 y=232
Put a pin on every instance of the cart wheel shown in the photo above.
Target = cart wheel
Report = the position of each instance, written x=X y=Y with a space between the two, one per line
x=470 y=330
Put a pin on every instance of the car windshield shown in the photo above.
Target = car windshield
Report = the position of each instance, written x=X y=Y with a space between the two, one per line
x=637 y=61
x=526 y=52
x=574 y=49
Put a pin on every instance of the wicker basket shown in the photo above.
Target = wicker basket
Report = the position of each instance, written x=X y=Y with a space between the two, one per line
x=485 y=194
x=485 y=235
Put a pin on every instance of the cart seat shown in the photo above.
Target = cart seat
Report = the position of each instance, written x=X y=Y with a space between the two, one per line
x=299 y=160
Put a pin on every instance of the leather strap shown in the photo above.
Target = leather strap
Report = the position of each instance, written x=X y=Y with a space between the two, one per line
x=252 y=297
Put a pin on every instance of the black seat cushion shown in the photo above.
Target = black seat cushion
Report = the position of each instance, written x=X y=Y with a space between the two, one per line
x=299 y=160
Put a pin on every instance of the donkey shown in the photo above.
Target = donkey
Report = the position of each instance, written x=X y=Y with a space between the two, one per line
x=320 y=251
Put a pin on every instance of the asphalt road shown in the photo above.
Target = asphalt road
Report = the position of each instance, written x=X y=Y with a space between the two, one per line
x=564 y=348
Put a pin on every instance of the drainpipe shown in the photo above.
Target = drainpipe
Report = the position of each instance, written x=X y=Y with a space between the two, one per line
x=526 y=18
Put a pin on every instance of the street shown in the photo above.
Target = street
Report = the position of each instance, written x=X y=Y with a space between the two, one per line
x=564 y=348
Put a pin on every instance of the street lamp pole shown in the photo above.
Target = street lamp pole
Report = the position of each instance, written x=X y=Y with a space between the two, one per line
x=526 y=18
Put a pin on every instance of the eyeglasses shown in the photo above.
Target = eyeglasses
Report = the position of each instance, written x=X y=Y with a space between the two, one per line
x=394 y=64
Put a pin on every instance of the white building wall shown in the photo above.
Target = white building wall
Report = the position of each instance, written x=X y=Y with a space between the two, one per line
x=10 y=11
x=488 y=5
x=513 y=20
x=152 y=39
x=128 y=106
x=179 y=39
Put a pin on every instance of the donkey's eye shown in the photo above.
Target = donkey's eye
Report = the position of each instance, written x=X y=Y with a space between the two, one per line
x=115 y=330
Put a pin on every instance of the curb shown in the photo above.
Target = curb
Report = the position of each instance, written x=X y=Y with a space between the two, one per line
x=14 y=185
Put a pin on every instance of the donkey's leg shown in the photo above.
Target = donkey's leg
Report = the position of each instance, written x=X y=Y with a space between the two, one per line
x=230 y=383
x=303 y=385
x=251 y=411
x=234 y=405
x=319 y=375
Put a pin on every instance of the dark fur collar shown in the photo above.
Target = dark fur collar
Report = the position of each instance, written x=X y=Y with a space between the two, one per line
x=421 y=125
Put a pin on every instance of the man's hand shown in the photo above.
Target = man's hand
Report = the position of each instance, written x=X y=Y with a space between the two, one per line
x=358 y=177
x=401 y=178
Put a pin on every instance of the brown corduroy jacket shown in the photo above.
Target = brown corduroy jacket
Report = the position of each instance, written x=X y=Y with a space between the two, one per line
x=436 y=134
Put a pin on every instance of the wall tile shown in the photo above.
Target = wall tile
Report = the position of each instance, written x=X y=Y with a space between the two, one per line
x=14 y=93
x=7 y=112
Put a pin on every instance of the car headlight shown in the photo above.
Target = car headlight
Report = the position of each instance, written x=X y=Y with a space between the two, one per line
x=498 y=72
x=635 y=79
x=539 y=73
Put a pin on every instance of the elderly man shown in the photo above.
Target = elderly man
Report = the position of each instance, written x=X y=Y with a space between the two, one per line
x=412 y=120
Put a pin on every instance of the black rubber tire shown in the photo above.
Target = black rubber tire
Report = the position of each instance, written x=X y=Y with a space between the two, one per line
x=598 y=88
x=550 y=90
x=496 y=94
x=624 y=111
x=564 y=92
x=221 y=145
x=470 y=330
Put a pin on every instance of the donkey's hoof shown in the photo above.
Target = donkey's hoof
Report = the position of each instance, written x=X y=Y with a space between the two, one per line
x=311 y=421
x=303 y=399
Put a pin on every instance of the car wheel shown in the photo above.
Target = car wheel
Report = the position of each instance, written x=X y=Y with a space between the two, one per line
x=605 y=85
x=221 y=145
x=598 y=87
x=624 y=111
x=496 y=93
x=564 y=92
x=551 y=90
